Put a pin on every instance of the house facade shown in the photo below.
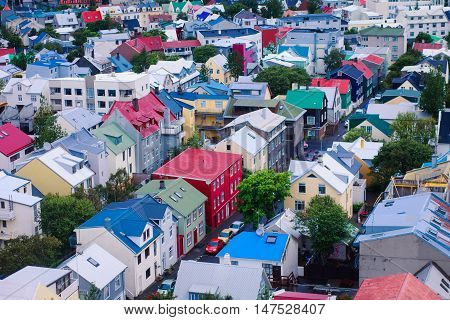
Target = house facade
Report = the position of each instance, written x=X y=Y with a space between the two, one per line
x=15 y=145
x=393 y=38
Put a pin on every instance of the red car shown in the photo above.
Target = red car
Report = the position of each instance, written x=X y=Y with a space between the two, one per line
x=214 y=246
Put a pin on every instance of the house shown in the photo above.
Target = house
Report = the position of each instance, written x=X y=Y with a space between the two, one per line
x=378 y=129
x=121 y=148
x=196 y=279
x=55 y=68
x=129 y=235
x=56 y=171
x=37 y=283
x=421 y=46
x=182 y=69
x=402 y=286
x=315 y=103
x=209 y=87
x=248 y=19
x=274 y=252
x=131 y=48
x=245 y=88
x=217 y=70
x=94 y=266
x=287 y=58
x=390 y=111
x=392 y=38
x=15 y=145
x=66 y=20
x=90 y=17
x=151 y=124
x=74 y=119
x=84 y=144
x=434 y=19
x=269 y=150
x=443 y=132
x=368 y=78
x=435 y=278
x=344 y=87
x=417 y=222
x=181 y=48
x=188 y=207
x=356 y=78
x=400 y=96
x=318 y=21
x=383 y=52
x=215 y=174
x=410 y=81
x=310 y=179
x=19 y=208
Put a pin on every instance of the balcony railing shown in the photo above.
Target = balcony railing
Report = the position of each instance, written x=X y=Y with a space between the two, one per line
x=7 y=215
x=70 y=290
x=171 y=130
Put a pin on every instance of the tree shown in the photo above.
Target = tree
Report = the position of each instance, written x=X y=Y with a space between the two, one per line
x=273 y=9
x=76 y=53
x=397 y=157
x=333 y=60
x=203 y=53
x=161 y=296
x=49 y=46
x=327 y=224
x=280 y=78
x=80 y=36
x=356 y=133
x=60 y=215
x=105 y=24
x=14 y=40
x=142 y=61
x=50 y=30
x=314 y=6
x=41 y=251
x=432 y=99
x=33 y=32
x=94 y=293
x=250 y=5
x=96 y=195
x=259 y=194
x=46 y=129
x=21 y=60
x=423 y=37
x=182 y=16
x=204 y=73
x=409 y=58
x=408 y=126
x=233 y=9
x=119 y=187
x=351 y=31
x=235 y=63
x=155 y=33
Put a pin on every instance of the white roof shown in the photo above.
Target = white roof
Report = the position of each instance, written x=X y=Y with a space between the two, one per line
x=390 y=111
x=220 y=60
x=62 y=19
x=80 y=118
x=22 y=284
x=248 y=140
x=58 y=158
x=174 y=67
x=120 y=77
x=285 y=221
x=241 y=283
x=262 y=119
x=301 y=168
x=33 y=85
x=8 y=186
x=107 y=270
x=361 y=148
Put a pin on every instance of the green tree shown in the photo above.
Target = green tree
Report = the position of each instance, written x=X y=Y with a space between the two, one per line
x=41 y=251
x=94 y=293
x=60 y=215
x=50 y=30
x=398 y=157
x=14 y=40
x=260 y=192
x=351 y=31
x=80 y=36
x=233 y=9
x=119 y=187
x=45 y=126
x=161 y=296
x=204 y=73
x=33 y=32
x=142 y=61
x=155 y=33
x=76 y=53
x=105 y=24
x=447 y=95
x=235 y=63
x=203 y=53
x=250 y=4
x=21 y=60
x=273 y=9
x=314 y=6
x=96 y=195
x=408 y=126
x=409 y=58
x=333 y=60
x=49 y=46
x=423 y=37
x=356 y=133
x=182 y=16
x=280 y=78
x=327 y=224
x=432 y=99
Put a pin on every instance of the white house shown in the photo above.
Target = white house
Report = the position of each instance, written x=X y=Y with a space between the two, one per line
x=15 y=145
x=20 y=92
x=75 y=119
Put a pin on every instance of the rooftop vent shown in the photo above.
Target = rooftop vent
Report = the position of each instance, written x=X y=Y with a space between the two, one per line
x=173 y=198
x=93 y=262
x=389 y=204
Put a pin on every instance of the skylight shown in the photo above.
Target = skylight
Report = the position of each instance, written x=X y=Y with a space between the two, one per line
x=93 y=262
x=183 y=189
x=173 y=198
x=389 y=204
x=271 y=239
x=178 y=195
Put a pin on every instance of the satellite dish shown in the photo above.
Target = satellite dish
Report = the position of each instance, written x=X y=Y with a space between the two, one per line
x=47 y=146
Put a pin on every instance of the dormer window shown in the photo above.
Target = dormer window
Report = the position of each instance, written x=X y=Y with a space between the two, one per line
x=74 y=169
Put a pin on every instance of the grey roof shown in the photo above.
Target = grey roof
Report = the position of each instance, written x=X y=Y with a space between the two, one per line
x=80 y=141
x=241 y=283
x=346 y=159
x=434 y=276
x=80 y=118
x=244 y=14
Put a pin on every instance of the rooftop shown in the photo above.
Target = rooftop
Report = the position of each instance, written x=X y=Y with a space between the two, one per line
x=306 y=98
x=262 y=119
x=13 y=140
x=342 y=84
x=383 y=31
x=80 y=118
x=116 y=139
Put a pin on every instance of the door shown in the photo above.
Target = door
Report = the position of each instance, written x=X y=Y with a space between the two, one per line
x=227 y=208
x=195 y=236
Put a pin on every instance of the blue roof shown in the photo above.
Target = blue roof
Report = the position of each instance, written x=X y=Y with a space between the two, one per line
x=202 y=16
x=194 y=96
x=248 y=245
x=349 y=70
x=49 y=63
x=131 y=24
x=442 y=64
x=169 y=102
x=211 y=87
x=218 y=20
x=309 y=17
x=128 y=219
x=80 y=141
x=340 y=154
x=301 y=51
x=232 y=33
x=441 y=159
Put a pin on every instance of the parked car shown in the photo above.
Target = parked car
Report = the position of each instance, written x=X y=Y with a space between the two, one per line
x=225 y=235
x=214 y=246
x=346 y=124
x=167 y=286
x=236 y=227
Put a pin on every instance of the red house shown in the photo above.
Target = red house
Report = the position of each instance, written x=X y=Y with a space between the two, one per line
x=215 y=174
x=91 y=16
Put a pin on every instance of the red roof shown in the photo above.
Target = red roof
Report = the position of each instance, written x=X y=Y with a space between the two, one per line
x=374 y=59
x=402 y=286
x=13 y=140
x=288 y=295
x=5 y=51
x=91 y=16
x=181 y=44
x=419 y=46
x=146 y=43
x=146 y=117
x=342 y=84
x=198 y=164
x=282 y=31
x=361 y=67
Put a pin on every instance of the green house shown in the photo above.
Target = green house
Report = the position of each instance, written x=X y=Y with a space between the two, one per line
x=188 y=206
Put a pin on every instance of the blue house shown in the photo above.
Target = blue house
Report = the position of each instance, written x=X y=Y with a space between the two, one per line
x=53 y=66
x=356 y=78
x=96 y=267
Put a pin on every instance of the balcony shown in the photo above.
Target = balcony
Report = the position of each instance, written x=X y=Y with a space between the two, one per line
x=172 y=130
x=7 y=215
x=179 y=121
x=70 y=290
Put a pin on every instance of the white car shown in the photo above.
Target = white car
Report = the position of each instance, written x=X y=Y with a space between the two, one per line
x=236 y=227
x=167 y=286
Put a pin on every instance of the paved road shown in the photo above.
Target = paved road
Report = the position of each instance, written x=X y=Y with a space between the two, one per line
x=198 y=253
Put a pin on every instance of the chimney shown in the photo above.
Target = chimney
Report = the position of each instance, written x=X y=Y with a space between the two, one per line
x=361 y=143
x=260 y=230
x=156 y=90
x=294 y=86
x=434 y=161
x=108 y=223
x=227 y=259
x=135 y=104
x=307 y=87
x=162 y=185
x=179 y=91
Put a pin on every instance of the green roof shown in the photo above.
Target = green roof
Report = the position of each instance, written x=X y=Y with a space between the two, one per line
x=383 y=32
x=306 y=98
x=178 y=6
x=115 y=138
x=374 y=119
x=289 y=111
x=401 y=93
x=191 y=197
x=197 y=3
x=435 y=38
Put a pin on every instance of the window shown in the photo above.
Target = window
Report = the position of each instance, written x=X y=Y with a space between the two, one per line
x=123 y=155
x=147 y=253
x=299 y=205
x=201 y=228
x=19 y=87
x=221 y=179
x=19 y=97
x=171 y=231
x=101 y=104
x=267 y=268
x=68 y=103
x=155 y=249
x=33 y=98
x=147 y=273
x=301 y=188
x=90 y=92
x=322 y=189
x=162 y=240
x=194 y=215
x=310 y=120
x=194 y=295
x=189 y=239
x=170 y=252
x=36 y=213
x=188 y=221
x=2 y=204
x=203 y=104
x=111 y=93
x=219 y=104
x=100 y=92
x=4 y=224
x=14 y=157
x=139 y=259
x=394 y=48
x=117 y=282
x=200 y=210
x=106 y=292
x=67 y=91
x=78 y=92
x=222 y=196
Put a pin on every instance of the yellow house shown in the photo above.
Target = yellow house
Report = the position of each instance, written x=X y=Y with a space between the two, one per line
x=397 y=100
x=310 y=179
x=208 y=112
x=217 y=70
x=57 y=171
